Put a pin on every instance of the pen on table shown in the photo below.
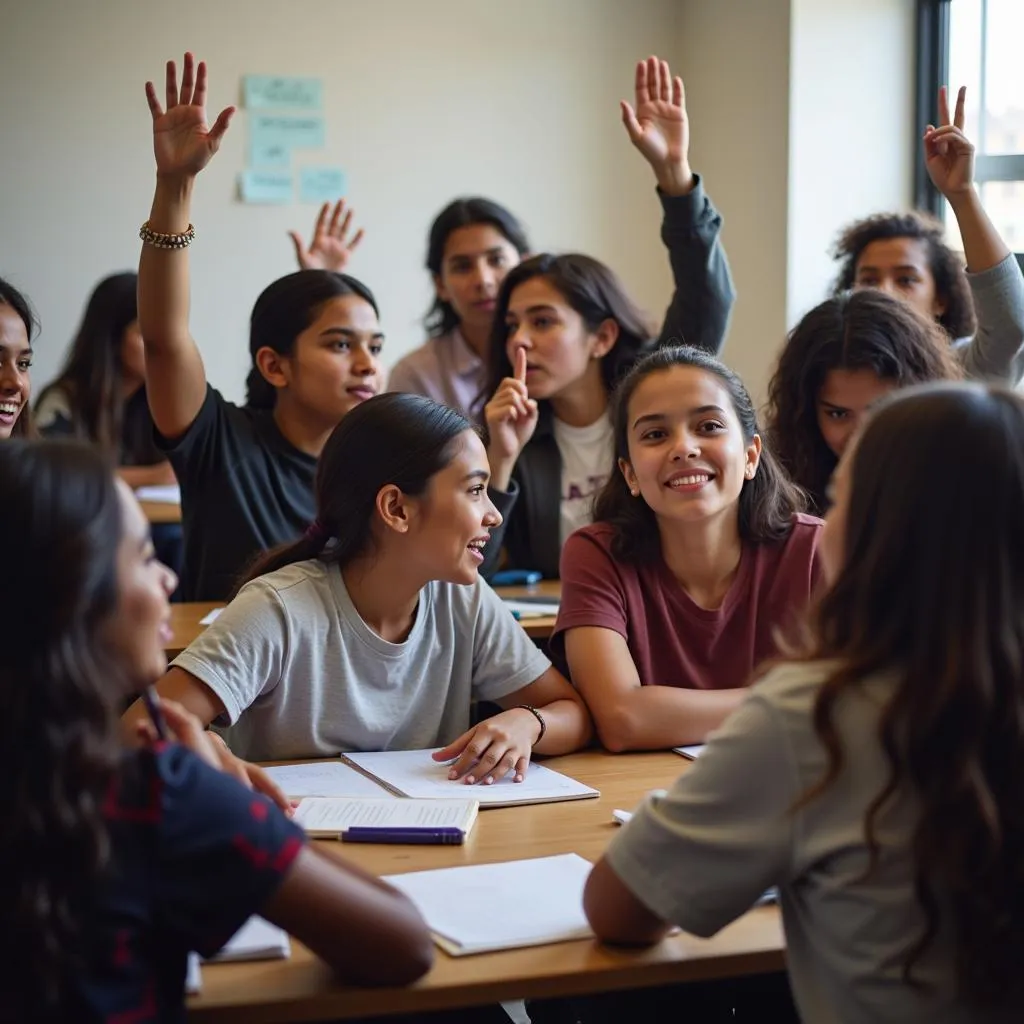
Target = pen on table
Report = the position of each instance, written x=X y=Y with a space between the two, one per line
x=149 y=698
x=356 y=834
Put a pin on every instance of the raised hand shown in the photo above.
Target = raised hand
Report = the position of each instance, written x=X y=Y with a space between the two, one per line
x=330 y=247
x=183 y=143
x=948 y=153
x=511 y=417
x=659 y=127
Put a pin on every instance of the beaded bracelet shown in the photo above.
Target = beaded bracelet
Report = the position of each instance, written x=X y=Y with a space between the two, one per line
x=540 y=718
x=160 y=240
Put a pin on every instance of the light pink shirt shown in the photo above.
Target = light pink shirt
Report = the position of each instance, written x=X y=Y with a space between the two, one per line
x=447 y=370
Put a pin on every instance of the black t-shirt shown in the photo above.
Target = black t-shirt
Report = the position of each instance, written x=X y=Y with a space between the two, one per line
x=193 y=855
x=244 y=489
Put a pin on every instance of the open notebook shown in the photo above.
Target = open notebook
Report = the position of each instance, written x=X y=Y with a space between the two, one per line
x=413 y=773
x=484 y=907
x=387 y=819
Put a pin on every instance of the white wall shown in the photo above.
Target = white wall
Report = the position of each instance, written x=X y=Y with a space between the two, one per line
x=424 y=101
x=851 y=129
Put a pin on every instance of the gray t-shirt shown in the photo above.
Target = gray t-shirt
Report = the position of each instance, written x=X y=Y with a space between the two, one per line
x=301 y=675
x=702 y=853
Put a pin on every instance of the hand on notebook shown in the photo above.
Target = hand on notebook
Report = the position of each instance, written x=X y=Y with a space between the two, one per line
x=497 y=747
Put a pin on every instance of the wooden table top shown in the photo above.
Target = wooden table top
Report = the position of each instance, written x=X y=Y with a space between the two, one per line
x=161 y=511
x=302 y=988
x=186 y=616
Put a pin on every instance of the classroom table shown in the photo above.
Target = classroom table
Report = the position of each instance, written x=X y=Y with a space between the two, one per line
x=186 y=616
x=161 y=511
x=302 y=988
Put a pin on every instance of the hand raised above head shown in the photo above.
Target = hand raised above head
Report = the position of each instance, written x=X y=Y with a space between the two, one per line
x=948 y=153
x=183 y=142
x=330 y=247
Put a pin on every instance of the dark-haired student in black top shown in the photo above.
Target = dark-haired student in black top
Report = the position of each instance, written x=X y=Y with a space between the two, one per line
x=246 y=473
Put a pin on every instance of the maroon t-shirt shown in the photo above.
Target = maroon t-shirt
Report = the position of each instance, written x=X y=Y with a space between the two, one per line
x=673 y=641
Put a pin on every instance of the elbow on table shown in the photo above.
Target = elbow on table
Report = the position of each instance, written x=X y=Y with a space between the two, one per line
x=616 y=730
x=410 y=956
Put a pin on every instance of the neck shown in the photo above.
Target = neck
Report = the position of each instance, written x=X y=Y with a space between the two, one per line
x=704 y=557
x=299 y=428
x=383 y=594
x=582 y=402
x=478 y=337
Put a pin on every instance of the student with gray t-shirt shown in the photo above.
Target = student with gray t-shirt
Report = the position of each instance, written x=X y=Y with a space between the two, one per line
x=875 y=779
x=375 y=631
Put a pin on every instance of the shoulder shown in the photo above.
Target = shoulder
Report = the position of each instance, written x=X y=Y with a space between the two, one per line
x=806 y=529
x=591 y=540
x=588 y=561
x=54 y=405
x=308 y=580
x=420 y=360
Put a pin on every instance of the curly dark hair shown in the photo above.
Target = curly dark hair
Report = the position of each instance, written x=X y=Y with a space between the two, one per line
x=926 y=595
x=58 y=737
x=958 y=319
x=767 y=502
x=862 y=330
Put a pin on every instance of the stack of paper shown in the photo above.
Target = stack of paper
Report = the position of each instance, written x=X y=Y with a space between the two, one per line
x=329 y=817
x=414 y=773
x=486 y=907
x=256 y=940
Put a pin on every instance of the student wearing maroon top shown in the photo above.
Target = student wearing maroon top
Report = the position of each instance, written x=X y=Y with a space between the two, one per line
x=698 y=553
x=115 y=863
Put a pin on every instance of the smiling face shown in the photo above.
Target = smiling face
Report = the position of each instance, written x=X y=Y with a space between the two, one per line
x=845 y=398
x=333 y=366
x=900 y=268
x=562 y=354
x=139 y=629
x=688 y=458
x=15 y=362
x=449 y=524
x=476 y=259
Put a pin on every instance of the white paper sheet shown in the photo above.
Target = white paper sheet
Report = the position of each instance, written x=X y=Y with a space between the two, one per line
x=484 y=907
x=257 y=939
x=531 y=610
x=163 y=494
x=210 y=616
x=193 y=975
x=414 y=773
x=336 y=814
x=691 y=752
x=326 y=778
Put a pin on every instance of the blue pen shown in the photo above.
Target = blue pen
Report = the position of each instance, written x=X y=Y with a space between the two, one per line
x=420 y=836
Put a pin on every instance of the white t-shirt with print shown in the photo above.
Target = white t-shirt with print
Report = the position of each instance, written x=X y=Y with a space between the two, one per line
x=588 y=457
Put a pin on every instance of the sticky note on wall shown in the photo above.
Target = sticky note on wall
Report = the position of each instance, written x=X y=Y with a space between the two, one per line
x=272 y=137
x=321 y=184
x=280 y=92
x=265 y=187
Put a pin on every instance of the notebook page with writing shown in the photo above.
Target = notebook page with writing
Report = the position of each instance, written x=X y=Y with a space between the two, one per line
x=480 y=908
x=414 y=773
x=330 y=816
x=326 y=778
x=257 y=939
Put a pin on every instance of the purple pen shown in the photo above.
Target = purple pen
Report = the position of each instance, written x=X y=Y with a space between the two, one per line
x=418 y=836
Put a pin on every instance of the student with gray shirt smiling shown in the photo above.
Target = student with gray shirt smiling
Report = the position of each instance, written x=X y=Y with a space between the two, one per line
x=875 y=776
x=375 y=631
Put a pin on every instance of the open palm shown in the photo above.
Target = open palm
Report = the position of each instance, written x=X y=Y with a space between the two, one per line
x=183 y=142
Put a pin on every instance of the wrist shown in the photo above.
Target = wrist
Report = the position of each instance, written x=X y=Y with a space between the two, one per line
x=501 y=472
x=175 y=187
x=966 y=199
x=539 y=723
x=676 y=180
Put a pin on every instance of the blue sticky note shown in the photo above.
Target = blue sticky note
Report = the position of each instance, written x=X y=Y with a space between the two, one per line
x=276 y=91
x=272 y=137
x=321 y=184
x=265 y=187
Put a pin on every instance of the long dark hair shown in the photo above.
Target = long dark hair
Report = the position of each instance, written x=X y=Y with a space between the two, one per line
x=91 y=376
x=58 y=737
x=10 y=296
x=463 y=213
x=767 y=503
x=594 y=292
x=395 y=438
x=283 y=311
x=958 y=319
x=861 y=330
x=931 y=589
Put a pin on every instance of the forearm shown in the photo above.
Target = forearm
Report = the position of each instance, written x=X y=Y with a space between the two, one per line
x=567 y=727
x=983 y=246
x=147 y=476
x=164 y=273
x=658 y=717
